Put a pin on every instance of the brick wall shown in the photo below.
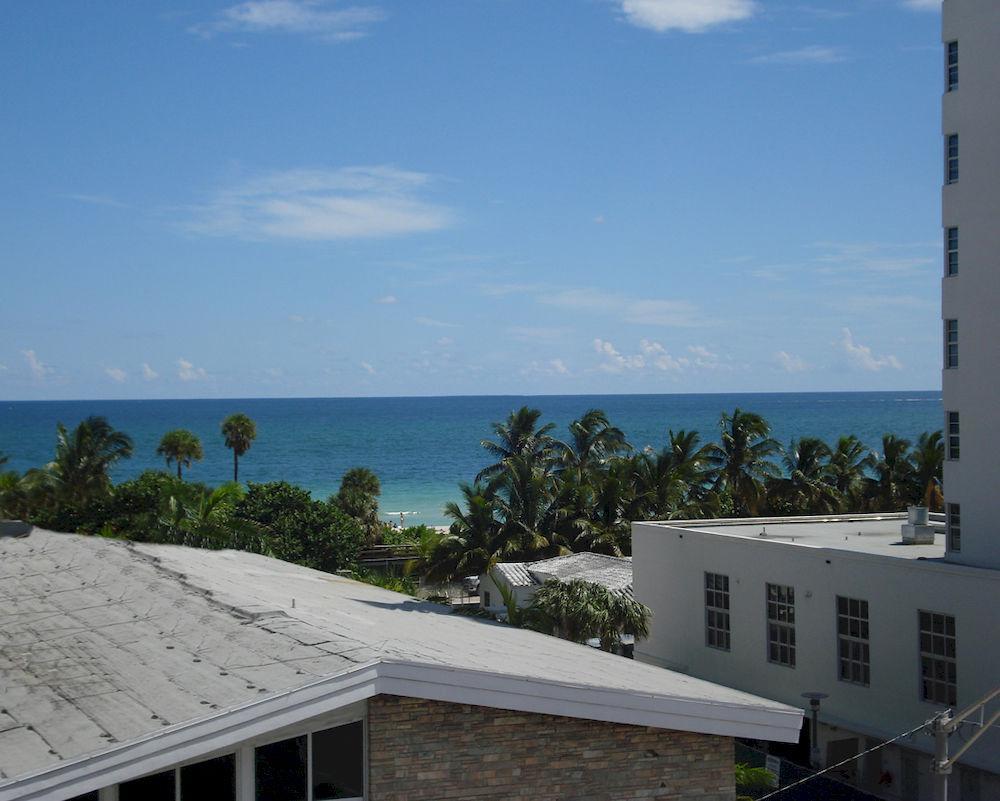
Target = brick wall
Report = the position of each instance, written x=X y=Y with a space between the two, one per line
x=431 y=751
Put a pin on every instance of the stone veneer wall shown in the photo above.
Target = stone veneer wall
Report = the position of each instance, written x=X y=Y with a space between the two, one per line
x=431 y=751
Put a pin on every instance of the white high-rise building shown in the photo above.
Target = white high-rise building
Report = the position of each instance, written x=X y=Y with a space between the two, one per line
x=970 y=288
x=888 y=624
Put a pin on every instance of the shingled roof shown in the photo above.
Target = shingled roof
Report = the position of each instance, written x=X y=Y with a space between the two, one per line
x=110 y=651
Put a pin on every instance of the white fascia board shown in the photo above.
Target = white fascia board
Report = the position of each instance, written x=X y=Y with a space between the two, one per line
x=778 y=723
x=188 y=741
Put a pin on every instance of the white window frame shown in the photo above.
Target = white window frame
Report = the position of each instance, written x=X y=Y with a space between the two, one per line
x=951 y=154
x=789 y=625
x=953 y=431
x=944 y=659
x=951 y=66
x=951 y=344
x=710 y=607
x=953 y=525
x=861 y=639
x=951 y=251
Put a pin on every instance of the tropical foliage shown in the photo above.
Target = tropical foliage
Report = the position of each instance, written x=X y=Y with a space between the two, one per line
x=239 y=432
x=181 y=447
x=540 y=496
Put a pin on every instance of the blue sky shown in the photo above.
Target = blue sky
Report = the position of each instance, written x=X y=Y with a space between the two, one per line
x=313 y=198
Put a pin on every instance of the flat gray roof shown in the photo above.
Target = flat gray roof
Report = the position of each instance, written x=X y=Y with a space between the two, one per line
x=106 y=642
x=870 y=534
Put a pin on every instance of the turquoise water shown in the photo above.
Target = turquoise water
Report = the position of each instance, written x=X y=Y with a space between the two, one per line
x=422 y=447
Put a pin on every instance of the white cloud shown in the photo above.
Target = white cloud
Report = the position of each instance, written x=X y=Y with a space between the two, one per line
x=640 y=311
x=690 y=16
x=323 y=205
x=432 y=323
x=188 y=372
x=659 y=357
x=923 y=5
x=614 y=361
x=148 y=373
x=298 y=319
x=538 y=334
x=445 y=342
x=811 y=54
x=703 y=357
x=36 y=367
x=320 y=19
x=550 y=367
x=3 y=367
x=387 y=300
x=368 y=368
x=116 y=374
x=599 y=219
x=862 y=356
x=790 y=363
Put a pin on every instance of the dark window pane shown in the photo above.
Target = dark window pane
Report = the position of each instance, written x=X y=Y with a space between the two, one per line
x=211 y=780
x=158 y=787
x=94 y=795
x=338 y=762
x=280 y=770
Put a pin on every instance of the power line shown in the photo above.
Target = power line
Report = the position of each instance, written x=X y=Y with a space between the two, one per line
x=844 y=762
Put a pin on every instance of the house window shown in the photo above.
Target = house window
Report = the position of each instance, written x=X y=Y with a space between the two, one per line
x=951 y=251
x=854 y=658
x=951 y=77
x=951 y=343
x=953 y=438
x=781 y=624
x=717 y=611
x=320 y=766
x=938 y=668
x=954 y=526
x=951 y=159
x=211 y=778
x=486 y=599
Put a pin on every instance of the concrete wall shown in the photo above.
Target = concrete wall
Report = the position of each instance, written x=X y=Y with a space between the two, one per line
x=973 y=296
x=669 y=574
x=431 y=750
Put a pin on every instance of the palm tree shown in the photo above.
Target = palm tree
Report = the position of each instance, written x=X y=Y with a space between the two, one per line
x=741 y=461
x=473 y=544
x=358 y=498
x=203 y=518
x=928 y=463
x=673 y=482
x=891 y=489
x=528 y=504
x=3 y=458
x=614 y=501
x=805 y=487
x=83 y=460
x=581 y=610
x=848 y=471
x=518 y=436
x=593 y=440
x=239 y=432
x=180 y=446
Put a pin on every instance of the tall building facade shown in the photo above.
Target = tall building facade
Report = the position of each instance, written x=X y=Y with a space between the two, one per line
x=970 y=290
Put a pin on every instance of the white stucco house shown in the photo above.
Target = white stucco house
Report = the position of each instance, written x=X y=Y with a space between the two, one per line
x=522 y=579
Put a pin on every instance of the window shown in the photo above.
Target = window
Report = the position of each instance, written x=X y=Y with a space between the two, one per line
x=854 y=658
x=951 y=343
x=212 y=778
x=938 y=668
x=320 y=766
x=953 y=438
x=781 y=625
x=951 y=67
x=487 y=600
x=717 y=611
x=951 y=159
x=951 y=251
x=954 y=526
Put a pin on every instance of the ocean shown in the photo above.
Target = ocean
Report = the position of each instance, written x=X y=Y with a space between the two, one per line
x=422 y=447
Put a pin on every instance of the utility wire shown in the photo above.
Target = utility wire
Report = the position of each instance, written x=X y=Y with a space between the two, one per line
x=840 y=764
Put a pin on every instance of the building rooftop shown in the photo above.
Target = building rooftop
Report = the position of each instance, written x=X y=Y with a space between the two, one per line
x=869 y=534
x=613 y=572
x=108 y=645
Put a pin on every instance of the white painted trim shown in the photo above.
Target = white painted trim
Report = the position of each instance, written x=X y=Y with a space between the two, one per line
x=261 y=720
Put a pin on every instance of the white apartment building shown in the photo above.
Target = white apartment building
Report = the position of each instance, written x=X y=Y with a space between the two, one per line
x=890 y=632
